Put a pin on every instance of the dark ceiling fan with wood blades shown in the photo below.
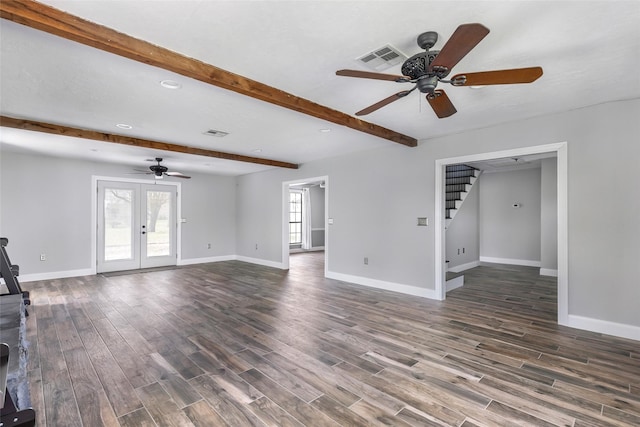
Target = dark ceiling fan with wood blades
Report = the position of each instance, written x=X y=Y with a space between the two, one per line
x=428 y=68
x=159 y=171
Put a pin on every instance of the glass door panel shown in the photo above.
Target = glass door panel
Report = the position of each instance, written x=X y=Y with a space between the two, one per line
x=118 y=224
x=159 y=234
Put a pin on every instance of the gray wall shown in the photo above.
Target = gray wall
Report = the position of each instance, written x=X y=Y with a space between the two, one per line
x=507 y=232
x=549 y=216
x=209 y=205
x=394 y=185
x=464 y=232
x=316 y=195
x=46 y=208
x=374 y=198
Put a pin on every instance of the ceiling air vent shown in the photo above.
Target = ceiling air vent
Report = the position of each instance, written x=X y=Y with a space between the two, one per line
x=218 y=133
x=382 y=58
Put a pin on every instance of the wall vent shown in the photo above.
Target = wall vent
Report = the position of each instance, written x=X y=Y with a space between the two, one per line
x=217 y=133
x=382 y=58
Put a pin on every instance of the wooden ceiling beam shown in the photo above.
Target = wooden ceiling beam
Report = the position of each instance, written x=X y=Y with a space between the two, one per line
x=48 y=19
x=54 y=129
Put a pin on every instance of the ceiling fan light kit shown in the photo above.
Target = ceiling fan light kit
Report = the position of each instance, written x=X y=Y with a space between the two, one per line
x=160 y=171
x=428 y=68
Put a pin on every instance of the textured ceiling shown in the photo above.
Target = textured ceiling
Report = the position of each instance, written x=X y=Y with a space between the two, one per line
x=590 y=53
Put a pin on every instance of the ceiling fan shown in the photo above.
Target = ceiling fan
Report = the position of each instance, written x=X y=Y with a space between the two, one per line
x=159 y=171
x=428 y=68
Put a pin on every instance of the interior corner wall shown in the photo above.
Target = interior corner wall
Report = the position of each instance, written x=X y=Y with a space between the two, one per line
x=510 y=234
x=463 y=234
x=46 y=208
x=549 y=216
x=375 y=197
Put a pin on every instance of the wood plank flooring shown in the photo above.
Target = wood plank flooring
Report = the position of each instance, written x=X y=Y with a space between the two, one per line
x=237 y=344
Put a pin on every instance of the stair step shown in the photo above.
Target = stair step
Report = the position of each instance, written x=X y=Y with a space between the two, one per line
x=461 y=180
x=454 y=168
x=457 y=187
x=458 y=182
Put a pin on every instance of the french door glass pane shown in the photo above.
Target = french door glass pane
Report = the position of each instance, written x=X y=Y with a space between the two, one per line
x=118 y=224
x=158 y=217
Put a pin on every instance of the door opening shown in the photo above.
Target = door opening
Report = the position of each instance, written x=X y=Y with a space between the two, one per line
x=562 y=216
x=304 y=222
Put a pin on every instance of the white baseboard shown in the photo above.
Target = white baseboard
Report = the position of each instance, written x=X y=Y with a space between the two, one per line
x=191 y=261
x=463 y=267
x=548 y=272
x=455 y=283
x=604 y=327
x=380 y=284
x=52 y=275
x=510 y=261
x=259 y=261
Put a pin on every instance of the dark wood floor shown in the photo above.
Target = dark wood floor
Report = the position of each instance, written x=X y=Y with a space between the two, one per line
x=237 y=344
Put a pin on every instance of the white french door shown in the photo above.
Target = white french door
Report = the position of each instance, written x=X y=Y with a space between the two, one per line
x=136 y=226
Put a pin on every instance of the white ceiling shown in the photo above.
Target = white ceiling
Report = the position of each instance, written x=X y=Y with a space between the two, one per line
x=589 y=50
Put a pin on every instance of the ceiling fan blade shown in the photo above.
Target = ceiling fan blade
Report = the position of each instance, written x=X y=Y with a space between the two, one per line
x=386 y=101
x=177 y=175
x=370 y=75
x=463 y=39
x=498 y=77
x=441 y=104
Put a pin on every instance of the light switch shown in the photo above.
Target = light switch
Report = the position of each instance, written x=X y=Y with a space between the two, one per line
x=423 y=221
x=330 y=221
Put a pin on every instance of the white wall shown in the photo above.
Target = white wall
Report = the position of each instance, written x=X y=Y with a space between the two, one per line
x=549 y=217
x=376 y=196
x=507 y=234
x=46 y=208
x=463 y=233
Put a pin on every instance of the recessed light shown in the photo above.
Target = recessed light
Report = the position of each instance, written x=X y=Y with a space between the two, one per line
x=170 y=84
x=476 y=87
x=124 y=126
x=257 y=150
x=325 y=130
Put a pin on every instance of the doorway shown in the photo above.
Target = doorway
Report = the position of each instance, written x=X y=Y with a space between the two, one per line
x=304 y=220
x=562 y=216
x=136 y=225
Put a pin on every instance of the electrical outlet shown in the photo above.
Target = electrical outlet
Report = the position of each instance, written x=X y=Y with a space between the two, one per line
x=458 y=251
x=462 y=250
x=256 y=246
x=43 y=257
x=208 y=245
x=366 y=260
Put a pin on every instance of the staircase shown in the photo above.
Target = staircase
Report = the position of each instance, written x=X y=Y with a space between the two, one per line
x=458 y=182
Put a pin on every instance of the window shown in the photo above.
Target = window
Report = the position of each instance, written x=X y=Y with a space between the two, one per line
x=295 y=218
